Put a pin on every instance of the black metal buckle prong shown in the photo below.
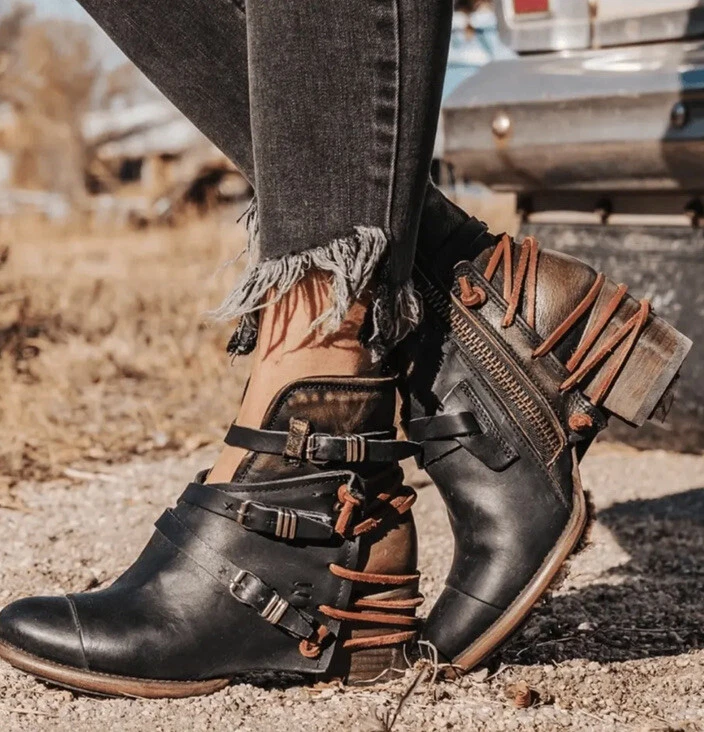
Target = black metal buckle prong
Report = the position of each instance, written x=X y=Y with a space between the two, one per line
x=312 y=447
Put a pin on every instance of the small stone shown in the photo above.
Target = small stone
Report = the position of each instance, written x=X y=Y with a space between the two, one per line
x=521 y=694
x=531 y=633
x=480 y=675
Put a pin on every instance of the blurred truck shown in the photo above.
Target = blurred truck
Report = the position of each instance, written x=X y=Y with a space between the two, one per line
x=597 y=125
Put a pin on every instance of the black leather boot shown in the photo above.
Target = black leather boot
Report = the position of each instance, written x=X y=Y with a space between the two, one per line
x=521 y=359
x=304 y=564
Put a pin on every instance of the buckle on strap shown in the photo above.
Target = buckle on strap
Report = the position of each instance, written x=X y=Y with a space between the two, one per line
x=243 y=586
x=312 y=445
x=237 y=581
x=281 y=522
x=275 y=608
x=241 y=514
x=320 y=447
x=286 y=520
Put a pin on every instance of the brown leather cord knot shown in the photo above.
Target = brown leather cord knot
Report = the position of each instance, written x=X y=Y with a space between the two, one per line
x=313 y=647
x=400 y=501
x=403 y=503
x=470 y=295
x=525 y=282
x=348 y=504
x=580 y=421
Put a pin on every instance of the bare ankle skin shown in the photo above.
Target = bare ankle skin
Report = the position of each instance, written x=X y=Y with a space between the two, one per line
x=287 y=350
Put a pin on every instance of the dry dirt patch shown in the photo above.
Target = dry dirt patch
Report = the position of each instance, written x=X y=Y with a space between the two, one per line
x=104 y=348
x=618 y=648
x=105 y=358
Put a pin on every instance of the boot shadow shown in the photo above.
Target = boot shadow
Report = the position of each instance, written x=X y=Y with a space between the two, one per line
x=651 y=606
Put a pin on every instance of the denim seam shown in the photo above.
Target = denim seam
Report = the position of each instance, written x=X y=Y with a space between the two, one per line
x=354 y=260
x=397 y=105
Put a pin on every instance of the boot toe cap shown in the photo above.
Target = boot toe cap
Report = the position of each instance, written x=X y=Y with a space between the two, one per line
x=46 y=627
x=457 y=621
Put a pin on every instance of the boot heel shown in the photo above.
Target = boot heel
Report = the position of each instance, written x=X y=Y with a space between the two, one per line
x=650 y=366
x=383 y=664
x=396 y=613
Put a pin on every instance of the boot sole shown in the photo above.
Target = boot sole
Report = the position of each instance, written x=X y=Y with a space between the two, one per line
x=543 y=581
x=94 y=682
x=369 y=666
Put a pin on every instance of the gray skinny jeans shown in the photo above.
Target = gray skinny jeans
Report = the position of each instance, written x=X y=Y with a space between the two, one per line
x=330 y=109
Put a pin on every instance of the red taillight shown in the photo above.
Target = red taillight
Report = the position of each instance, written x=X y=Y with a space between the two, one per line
x=523 y=7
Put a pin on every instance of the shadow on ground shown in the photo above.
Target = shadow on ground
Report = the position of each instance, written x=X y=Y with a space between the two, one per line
x=651 y=606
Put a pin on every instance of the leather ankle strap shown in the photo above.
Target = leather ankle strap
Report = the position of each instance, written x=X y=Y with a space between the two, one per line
x=244 y=586
x=443 y=426
x=318 y=447
x=280 y=522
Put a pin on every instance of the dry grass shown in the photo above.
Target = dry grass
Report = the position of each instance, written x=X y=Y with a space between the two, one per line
x=104 y=348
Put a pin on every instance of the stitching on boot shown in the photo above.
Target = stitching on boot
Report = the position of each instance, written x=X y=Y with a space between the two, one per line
x=512 y=426
x=489 y=425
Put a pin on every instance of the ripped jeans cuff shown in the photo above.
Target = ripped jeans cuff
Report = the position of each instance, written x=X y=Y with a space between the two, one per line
x=357 y=266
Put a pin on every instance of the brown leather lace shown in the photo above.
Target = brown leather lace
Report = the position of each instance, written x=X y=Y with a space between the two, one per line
x=399 y=499
x=380 y=611
x=523 y=283
x=348 y=503
x=377 y=610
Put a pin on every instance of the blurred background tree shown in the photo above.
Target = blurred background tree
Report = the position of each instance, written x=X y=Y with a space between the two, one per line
x=53 y=72
x=50 y=77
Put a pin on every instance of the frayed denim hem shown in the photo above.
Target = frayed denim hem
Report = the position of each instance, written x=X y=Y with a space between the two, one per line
x=353 y=264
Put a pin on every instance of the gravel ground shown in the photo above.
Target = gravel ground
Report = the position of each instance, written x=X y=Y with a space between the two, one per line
x=618 y=647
